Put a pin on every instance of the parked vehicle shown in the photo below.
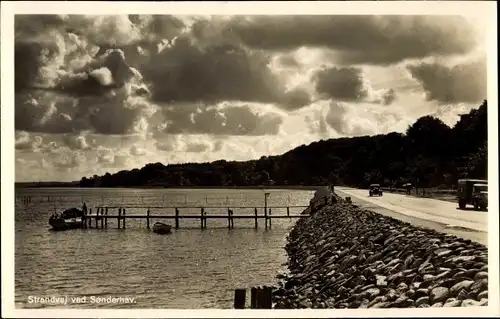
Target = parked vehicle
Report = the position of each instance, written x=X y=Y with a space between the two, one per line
x=375 y=190
x=473 y=192
x=480 y=196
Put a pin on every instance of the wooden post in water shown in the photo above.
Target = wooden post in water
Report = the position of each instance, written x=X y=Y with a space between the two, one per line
x=205 y=219
x=106 y=220
x=148 y=219
x=261 y=298
x=265 y=215
x=270 y=219
x=265 y=206
x=267 y=297
x=176 y=218
x=228 y=218
x=97 y=217
x=256 y=223
x=101 y=218
x=90 y=219
x=119 y=216
x=239 y=298
x=83 y=220
x=201 y=217
x=253 y=298
x=123 y=218
x=232 y=219
x=288 y=211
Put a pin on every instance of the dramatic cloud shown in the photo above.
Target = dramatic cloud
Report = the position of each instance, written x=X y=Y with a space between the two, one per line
x=460 y=83
x=360 y=39
x=24 y=141
x=335 y=117
x=349 y=84
x=223 y=72
x=389 y=96
x=216 y=120
x=51 y=113
x=76 y=142
x=70 y=161
x=345 y=84
x=96 y=94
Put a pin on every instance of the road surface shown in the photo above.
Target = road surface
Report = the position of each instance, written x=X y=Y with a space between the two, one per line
x=440 y=215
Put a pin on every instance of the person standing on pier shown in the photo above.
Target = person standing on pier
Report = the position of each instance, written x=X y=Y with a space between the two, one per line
x=84 y=208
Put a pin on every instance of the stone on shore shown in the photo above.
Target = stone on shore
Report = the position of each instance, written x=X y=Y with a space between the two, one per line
x=345 y=257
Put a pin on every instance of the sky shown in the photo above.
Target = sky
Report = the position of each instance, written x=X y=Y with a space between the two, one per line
x=97 y=94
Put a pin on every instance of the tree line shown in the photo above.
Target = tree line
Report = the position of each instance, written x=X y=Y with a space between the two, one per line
x=428 y=154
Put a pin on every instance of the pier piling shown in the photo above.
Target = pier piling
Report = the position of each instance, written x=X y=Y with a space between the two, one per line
x=90 y=219
x=102 y=215
x=240 y=298
x=119 y=217
x=256 y=223
x=98 y=219
x=253 y=298
x=269 y=218
x=265 y=216
x=202 y=213
x=123 y=216
x=260 y=298
x=148 y=219
x=176 y=218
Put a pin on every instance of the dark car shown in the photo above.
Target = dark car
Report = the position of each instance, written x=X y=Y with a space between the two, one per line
x=375 y=190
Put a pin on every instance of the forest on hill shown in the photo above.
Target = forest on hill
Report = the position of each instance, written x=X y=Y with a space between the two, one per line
x=428 y=154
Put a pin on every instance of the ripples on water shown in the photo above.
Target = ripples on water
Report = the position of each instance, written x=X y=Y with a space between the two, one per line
x=190 y=268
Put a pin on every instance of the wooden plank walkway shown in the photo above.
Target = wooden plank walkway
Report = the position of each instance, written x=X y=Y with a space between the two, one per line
x=102 y=215
x=195 y=216
x=201 y=206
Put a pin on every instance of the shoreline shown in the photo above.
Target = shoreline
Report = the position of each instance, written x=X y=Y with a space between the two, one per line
x=274 y=187
x=343 y=256
x=285 y=187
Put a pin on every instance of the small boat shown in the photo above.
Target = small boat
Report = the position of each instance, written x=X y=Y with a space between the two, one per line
x=161 y=228
x=68 y=219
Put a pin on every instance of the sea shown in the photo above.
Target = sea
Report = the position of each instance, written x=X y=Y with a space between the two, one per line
x=136 y=268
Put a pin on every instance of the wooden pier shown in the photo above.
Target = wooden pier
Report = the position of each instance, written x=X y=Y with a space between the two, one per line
x=103 y=213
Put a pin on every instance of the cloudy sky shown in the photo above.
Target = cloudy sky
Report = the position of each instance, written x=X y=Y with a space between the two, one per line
x=96 y=94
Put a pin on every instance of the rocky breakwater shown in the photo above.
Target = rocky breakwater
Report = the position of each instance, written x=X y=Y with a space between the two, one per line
x=345 y=257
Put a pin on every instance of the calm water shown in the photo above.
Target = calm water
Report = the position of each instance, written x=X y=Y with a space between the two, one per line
x=190 y=268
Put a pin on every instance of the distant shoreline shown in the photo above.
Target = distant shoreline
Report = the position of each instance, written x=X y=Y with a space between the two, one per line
x=69 y=185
